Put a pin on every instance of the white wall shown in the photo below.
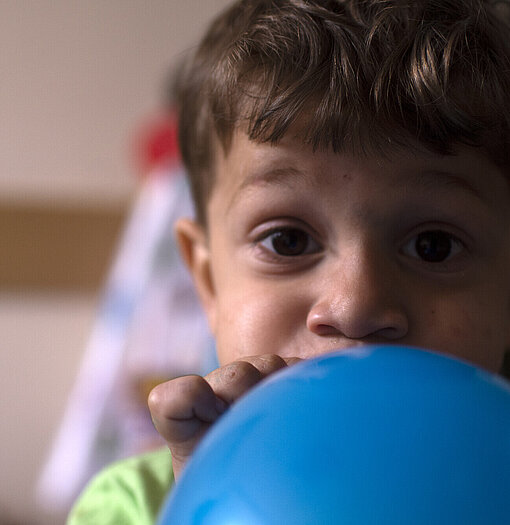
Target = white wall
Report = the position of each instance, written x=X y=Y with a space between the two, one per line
x=78 y=79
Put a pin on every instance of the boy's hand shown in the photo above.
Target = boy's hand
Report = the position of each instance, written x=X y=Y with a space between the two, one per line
x=183 y=409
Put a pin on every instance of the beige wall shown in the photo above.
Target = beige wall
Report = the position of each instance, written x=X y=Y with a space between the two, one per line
x=42 y=340
x=78 y=79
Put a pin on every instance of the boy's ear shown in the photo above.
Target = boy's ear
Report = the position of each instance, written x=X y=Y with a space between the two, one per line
x=192 y=241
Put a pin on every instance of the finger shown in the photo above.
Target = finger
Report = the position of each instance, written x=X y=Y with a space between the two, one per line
x=231 y=381
x=269 y=363
x=181 y=407
x=266 y=364
x=290 y=361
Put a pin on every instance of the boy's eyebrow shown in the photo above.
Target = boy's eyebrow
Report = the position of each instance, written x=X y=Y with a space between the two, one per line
x=273 y=176
x=437 y=179
x=429 y=180
x=270 y=176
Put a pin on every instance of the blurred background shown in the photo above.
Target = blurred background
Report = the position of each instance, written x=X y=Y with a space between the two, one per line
x=89 y=186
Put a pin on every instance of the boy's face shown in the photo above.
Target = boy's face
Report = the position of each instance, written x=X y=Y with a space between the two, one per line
x=307 y=252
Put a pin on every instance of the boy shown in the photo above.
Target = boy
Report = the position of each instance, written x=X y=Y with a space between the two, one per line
x=349 y=163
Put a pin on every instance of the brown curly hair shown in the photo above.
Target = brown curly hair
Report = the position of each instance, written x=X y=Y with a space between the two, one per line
x=371 y=75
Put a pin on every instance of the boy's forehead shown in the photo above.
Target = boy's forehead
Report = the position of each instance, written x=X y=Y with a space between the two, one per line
x=250 y=163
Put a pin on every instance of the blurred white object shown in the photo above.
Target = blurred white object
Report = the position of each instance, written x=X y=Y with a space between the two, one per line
x=149 y=328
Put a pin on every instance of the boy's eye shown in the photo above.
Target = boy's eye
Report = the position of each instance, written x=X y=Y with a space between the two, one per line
x=433 y=246
x=289 y=242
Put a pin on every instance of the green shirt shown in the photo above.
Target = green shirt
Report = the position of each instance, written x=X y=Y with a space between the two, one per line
x=129 y=492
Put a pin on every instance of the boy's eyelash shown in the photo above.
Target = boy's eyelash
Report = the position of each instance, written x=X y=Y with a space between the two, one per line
x=284 y=242
x=433 y=245
x=436 y=249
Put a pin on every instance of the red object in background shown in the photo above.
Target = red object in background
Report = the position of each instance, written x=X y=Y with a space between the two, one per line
x=156 y=144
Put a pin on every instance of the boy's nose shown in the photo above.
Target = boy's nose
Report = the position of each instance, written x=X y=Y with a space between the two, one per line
x=360 y=300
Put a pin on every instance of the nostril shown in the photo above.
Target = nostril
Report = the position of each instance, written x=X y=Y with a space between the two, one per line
x=325 y=329
x=396 y=328
x=358 y=316
x=384 y=323
x=321 y=321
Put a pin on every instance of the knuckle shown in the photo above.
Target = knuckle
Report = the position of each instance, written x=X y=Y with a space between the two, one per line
x=191 y=386
x=164 y=396
x=241 y=371
x=155 y=397
x=273 y=361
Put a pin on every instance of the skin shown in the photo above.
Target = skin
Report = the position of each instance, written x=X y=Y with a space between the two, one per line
x=308 y=252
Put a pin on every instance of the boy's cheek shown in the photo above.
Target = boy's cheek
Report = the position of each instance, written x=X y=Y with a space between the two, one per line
x=476 y=335
x=254 y=318
x=276 y=324
x=260 y=324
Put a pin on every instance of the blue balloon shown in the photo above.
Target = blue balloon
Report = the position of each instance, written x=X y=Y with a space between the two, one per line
x=376 y=435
